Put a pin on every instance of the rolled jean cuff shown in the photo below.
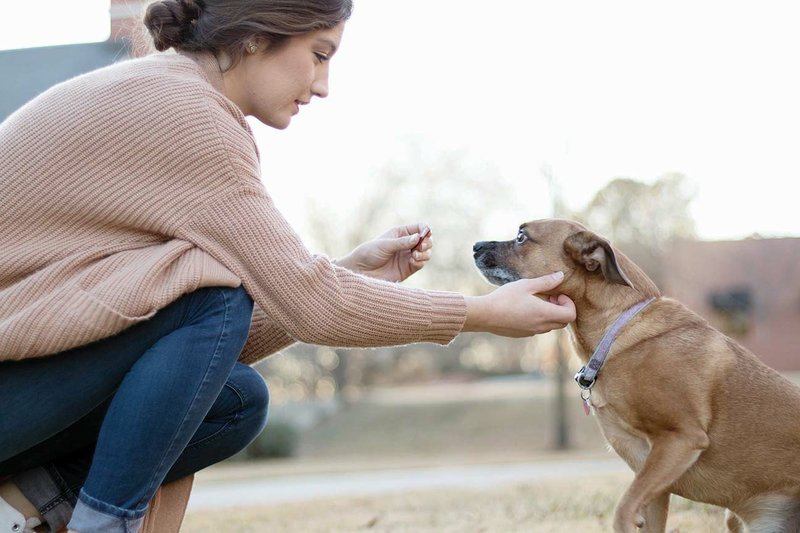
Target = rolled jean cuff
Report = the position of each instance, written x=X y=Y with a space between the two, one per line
x=49 y=493
x=93 y=516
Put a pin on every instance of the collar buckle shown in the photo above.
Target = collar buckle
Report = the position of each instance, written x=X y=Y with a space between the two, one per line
x=582 y=382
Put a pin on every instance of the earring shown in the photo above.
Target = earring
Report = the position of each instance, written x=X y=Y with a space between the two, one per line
x=252 y=48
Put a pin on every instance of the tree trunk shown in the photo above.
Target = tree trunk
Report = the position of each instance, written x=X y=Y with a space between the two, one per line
x=560 y=415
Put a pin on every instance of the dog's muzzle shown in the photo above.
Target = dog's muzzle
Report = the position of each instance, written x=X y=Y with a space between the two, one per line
x=485 y=255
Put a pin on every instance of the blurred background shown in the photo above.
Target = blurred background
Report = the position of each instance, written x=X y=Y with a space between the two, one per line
x=671 y=129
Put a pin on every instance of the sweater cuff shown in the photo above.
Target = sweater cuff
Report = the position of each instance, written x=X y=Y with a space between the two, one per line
x=449 y=310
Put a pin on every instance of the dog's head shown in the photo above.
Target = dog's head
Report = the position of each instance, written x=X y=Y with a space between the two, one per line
x=545 y=246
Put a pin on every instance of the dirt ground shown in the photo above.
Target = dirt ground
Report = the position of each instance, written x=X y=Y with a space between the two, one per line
x=584 y=505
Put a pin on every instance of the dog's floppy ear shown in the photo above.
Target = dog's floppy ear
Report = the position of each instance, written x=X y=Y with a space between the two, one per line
x=591 y=251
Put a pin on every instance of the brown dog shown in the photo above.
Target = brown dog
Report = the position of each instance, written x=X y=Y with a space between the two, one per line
x=691 y=411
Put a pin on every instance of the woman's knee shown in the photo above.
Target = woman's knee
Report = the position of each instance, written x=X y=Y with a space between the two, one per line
x=237 y=417
x=258 y=395
x=251 y=388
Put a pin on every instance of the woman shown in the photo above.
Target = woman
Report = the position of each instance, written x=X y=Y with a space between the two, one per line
x=144 y=266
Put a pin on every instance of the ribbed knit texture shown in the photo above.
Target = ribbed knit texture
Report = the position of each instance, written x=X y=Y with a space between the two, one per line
x=122 y=189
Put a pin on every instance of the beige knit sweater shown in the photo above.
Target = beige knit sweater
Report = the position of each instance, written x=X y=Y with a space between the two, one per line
x=122 y=189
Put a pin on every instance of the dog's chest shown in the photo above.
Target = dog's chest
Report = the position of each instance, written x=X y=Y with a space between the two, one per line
x=628 y=442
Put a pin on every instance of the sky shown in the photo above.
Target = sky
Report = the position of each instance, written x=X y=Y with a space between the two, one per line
x=592 y=90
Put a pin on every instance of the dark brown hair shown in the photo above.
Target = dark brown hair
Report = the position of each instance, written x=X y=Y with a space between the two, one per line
x=228 y=25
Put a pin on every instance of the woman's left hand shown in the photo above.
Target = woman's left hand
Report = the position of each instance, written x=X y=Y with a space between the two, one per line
x=392 y=256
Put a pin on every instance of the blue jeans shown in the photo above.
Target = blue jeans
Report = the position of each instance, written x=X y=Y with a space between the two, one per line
x=102 y=426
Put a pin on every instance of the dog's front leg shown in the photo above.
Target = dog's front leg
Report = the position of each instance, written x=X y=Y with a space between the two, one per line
x=671 y=454
x=655 y=514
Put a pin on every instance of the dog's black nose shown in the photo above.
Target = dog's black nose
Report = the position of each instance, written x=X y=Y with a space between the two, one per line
x=478 y=246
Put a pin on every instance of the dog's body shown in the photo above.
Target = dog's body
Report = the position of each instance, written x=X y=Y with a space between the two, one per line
x=692 y=412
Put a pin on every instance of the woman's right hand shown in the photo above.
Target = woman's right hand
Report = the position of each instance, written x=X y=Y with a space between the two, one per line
x=514 y=310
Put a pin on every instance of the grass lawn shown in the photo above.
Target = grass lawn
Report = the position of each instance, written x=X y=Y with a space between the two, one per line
x=502 y=419
x=447 y=425
x=585 y=505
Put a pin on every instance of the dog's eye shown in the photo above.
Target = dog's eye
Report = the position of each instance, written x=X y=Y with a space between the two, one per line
x=521 y=237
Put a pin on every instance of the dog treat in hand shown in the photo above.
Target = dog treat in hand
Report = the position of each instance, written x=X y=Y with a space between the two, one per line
x=422 y=234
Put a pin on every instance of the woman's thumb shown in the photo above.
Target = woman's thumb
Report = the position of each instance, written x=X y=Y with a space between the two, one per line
x=546 y=283
x=402 y=243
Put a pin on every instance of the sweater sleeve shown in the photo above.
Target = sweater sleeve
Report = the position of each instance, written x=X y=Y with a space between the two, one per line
x=307 y=296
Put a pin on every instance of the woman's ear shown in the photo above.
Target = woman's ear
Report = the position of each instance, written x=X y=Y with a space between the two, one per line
x=593 y=252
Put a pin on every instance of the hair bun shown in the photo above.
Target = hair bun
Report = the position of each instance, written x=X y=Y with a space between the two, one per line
x=170 y=22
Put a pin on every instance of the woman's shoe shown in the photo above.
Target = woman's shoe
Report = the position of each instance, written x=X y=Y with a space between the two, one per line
x=12 y=521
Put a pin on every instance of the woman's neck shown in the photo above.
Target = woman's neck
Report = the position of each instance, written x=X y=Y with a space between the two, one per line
x=212 y=68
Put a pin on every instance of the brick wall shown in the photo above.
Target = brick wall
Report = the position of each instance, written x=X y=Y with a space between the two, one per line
x=748 y=289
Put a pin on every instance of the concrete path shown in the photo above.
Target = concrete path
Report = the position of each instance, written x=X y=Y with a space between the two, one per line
x=289 y=488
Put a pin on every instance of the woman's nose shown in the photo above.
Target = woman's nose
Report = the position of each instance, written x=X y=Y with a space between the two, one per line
x=320 y=85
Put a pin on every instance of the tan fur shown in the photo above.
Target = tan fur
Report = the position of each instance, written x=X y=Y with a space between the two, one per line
x=691 y=411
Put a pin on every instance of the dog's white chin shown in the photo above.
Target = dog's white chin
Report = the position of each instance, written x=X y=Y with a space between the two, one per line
x=498 y=276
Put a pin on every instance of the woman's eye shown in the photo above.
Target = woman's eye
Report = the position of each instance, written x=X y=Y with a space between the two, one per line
x=521 y=237
x=321 y=57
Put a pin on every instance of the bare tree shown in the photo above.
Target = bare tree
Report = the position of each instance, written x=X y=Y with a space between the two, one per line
x=642 y=219
x=457 y=198
x=562 y=348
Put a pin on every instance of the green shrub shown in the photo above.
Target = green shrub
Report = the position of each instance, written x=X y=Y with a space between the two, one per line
x=279 y=439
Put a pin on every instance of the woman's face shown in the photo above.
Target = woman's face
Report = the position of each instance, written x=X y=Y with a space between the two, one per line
x=271 y=85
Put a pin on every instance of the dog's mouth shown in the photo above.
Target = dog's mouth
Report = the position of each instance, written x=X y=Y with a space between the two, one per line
x=486 y=261
x=498 y=276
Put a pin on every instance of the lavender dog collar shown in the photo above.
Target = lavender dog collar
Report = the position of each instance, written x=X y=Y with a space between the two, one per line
x=587 y=375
